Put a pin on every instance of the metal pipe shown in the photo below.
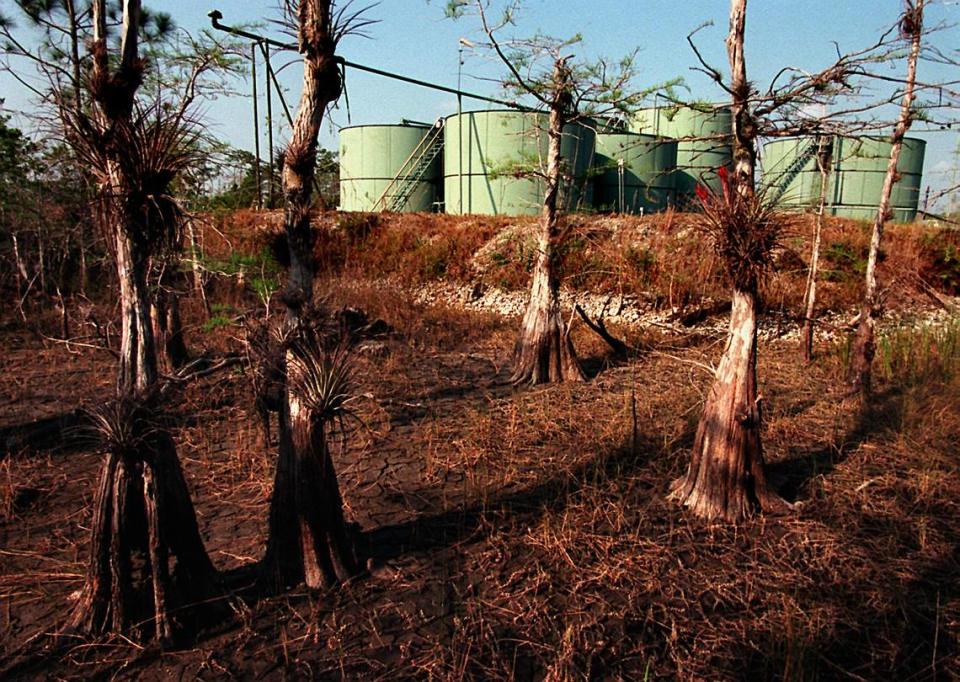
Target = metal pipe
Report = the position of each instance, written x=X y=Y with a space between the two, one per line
x=276 y=85
x=256 y=127
x=216 y=16
x=270 y=184
x=434 y=86
x=459 y=128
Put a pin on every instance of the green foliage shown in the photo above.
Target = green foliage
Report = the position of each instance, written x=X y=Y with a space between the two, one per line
x=941 y=249
x=845 y=261
x=641 y=260
x=920 y=354
x=18 y=157
x=264 y=287
x=263 y=269
x=218 y=322
x=240 y=263
x=226 y=179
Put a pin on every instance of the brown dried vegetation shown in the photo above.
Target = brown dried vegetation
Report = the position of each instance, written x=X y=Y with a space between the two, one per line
x=524 y=535
x=661 y=258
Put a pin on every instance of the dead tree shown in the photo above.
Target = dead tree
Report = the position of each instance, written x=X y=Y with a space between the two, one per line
x=544 y=351
x=142 y=505
x=172 y=351
x=569 y=92
x=824 y=160
x=726 y=477
x=308 y=540
x=864 y=344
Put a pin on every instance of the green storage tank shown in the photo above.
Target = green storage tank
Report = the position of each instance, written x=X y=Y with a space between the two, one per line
x=856 y=178
x=370 y=158
x=485 y=154
x=634 y=172
x=703 y=142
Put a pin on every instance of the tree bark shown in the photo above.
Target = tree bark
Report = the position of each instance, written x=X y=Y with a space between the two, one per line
x=142 y=505
x=167 y=327
x=113 y=93
x=744 y=127
x=544 y=351
x=307 y=536
x=138 y=356
x=859 y=373
x=142 y=508
x=726 y=479
x=321 y=85
x=309 y=541
x=824 y=156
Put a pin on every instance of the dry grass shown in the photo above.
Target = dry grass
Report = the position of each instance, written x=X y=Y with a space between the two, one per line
x=661 y=258
x=524 y=535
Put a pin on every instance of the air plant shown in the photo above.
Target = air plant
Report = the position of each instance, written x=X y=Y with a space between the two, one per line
x=124 y=427
x=745 y=228
x=322 y=378
x=138 y=161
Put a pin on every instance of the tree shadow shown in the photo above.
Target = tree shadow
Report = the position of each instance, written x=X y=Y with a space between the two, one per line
x=469 y=522
x=62 y=432
x=899 y=630
x=593 y=365
x=791 y=476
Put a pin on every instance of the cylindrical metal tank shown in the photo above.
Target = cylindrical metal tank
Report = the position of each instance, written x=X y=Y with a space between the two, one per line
x=370 y=158
x=703 y=141
x=856 y=178
x=634 y=172
x=488 y=156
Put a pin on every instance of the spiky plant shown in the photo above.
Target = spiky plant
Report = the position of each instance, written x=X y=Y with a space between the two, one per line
x=315 y=545
x=139 y=161
x=726 y=477
x=123 y=427
x=142 y=505
x=744 y=228
x=323 y=379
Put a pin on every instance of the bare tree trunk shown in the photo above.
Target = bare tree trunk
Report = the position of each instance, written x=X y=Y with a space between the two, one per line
x=21 y=269
x=824 y=155
x=311 y=542
x=544 y=351
x=138 y=357
x=73 y=29
x=41 y=256
x=726 y=479
x=864 y=344
x=142 y=509
x=307 y=538
x=82 y=246
x=195 y=266
x=744 y=127
x=113 y=94
x=167 y=328
x=143 y=516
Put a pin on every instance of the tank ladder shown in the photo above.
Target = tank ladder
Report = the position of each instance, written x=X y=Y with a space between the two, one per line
x=781 y=183
x=414 y=169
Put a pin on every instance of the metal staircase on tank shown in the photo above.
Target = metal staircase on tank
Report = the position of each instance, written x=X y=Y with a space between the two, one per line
x=413 y=170
x=782 y=182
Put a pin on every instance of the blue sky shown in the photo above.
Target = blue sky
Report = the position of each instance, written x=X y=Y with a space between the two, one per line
x=413 y=38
